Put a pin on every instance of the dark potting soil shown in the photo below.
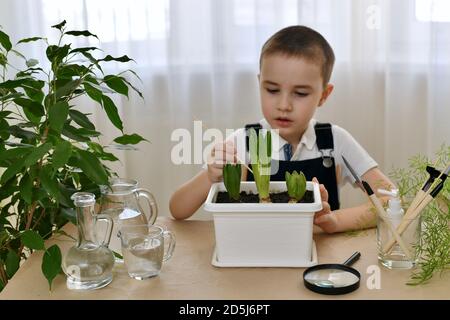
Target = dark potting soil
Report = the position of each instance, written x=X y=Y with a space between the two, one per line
x=279 y=197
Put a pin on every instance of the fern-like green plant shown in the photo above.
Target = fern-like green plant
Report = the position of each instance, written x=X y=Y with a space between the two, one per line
x=232 y=179
x=433 y=248
x=296 y=186
x=261 y=156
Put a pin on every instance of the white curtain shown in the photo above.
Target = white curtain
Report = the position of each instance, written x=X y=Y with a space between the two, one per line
x=198 y=60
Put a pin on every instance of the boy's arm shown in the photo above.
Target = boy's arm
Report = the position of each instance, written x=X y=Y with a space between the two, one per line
x=359 y=217
x=190 y=196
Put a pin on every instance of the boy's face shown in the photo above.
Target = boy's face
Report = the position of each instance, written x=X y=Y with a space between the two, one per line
x=291 y=88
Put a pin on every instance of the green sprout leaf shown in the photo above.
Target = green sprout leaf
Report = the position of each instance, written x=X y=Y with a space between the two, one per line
x=51 y=263
x=232 y=179
x=260 y=146
x=296 y=185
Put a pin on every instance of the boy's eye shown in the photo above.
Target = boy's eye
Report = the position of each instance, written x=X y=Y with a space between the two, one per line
x=301 y=94
x=272 y=90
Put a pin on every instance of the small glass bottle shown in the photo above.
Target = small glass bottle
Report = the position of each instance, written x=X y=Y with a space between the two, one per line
x=89 y=264
x=396 y=258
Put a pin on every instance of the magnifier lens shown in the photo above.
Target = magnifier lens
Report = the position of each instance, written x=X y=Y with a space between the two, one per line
x=331 y=278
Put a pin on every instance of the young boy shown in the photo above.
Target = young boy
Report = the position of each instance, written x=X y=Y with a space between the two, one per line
x=295 y=69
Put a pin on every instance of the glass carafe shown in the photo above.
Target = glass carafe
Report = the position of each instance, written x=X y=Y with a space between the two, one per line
x=121 y=202
x=89 y=264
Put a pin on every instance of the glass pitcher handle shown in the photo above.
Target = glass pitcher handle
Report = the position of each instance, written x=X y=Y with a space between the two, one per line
x=151 y=218
x=110 y=223
x=171 y=246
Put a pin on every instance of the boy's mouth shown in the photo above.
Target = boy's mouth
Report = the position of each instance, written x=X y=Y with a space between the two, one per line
x=283 y=122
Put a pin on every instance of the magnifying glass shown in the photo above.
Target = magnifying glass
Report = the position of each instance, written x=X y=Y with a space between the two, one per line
x=333 y=278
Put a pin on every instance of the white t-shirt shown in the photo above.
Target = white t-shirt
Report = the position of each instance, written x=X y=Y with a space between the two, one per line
x=344 y=144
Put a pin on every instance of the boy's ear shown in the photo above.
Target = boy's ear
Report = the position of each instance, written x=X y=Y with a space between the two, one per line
x=325 y=94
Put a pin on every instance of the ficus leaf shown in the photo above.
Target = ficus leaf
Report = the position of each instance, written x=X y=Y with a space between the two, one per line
x=12 y=263
x=73 y=133
x=129 y=139
x=4 y=126
x=84 y=49
x=49 y=184
x=57 y=115
x=51 y=263
x=117 y=84
x=14 y=153
x=93 y=93
x=123 y=58
x=61 y=154
x=32 y=240
x=67 y=89
x=84 y=33
x=111 y=111
x=32 y=106
x=4 y=41
x=26 y=188
x=59 y=25
x=92 y=167
x=12 y=170
x=37 y=153
x=81 y=119
x=30 y=39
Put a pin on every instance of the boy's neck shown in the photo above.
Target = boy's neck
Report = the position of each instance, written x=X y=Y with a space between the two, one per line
x=294 y=141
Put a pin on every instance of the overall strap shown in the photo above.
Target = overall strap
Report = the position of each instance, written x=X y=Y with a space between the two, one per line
x=325 y=143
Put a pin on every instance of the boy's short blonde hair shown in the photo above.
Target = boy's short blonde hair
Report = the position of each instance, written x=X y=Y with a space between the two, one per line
x=302 y=42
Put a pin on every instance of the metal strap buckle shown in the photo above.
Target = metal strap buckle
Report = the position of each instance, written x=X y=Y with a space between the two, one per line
x=327 y=155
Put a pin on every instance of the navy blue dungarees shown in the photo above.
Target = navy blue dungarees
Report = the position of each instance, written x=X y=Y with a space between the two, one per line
x=323 y=168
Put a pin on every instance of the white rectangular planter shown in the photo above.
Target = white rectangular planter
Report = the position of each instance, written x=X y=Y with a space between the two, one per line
x=263 y=234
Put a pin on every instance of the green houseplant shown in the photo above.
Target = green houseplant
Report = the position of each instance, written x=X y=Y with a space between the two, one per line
x=296 y=185
x=260 y=146
x=48 y=148
x=232 y=180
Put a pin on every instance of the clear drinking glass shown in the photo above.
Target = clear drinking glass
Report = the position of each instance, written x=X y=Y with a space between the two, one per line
x=396 y=257
x=143 y=248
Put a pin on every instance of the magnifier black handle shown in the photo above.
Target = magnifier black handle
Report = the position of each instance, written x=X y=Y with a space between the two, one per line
x=355 y=257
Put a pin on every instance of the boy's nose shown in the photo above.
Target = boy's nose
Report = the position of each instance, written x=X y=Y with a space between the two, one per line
x=284 y=104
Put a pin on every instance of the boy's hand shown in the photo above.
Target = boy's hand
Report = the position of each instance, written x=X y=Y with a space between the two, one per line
x=325 y=218
x=221 y=153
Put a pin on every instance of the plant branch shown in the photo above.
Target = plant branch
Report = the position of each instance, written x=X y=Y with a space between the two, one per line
x=3 y=275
